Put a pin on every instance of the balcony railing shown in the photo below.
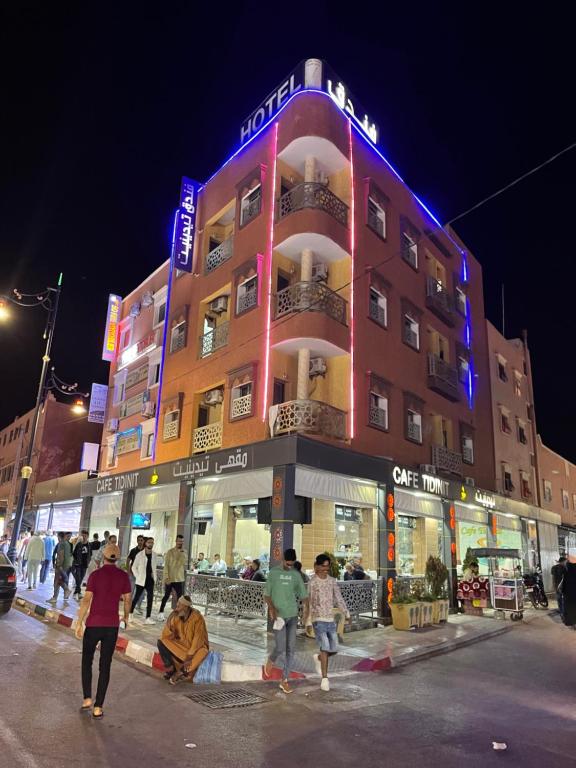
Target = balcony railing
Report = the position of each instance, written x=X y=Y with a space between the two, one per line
x=414 y=432
x=219 y=255
x=378 y=417
x=213 y=340
x=468 y=454
x=248 y=300
x=313 y=195
x=208 y=437
x=447 y=460
x=308 y=416
x=376 y=223
x=439 y=301
x=241 y=406
x=250 y=209
x=313 y=297
x=443 y=377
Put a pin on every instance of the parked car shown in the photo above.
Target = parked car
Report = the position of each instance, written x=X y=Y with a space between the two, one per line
x=7 y=584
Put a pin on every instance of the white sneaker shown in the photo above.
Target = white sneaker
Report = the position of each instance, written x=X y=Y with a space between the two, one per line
x=161 y=617
x=51 y=600
x=149 y=620
x=325 y=684
x=317 y=665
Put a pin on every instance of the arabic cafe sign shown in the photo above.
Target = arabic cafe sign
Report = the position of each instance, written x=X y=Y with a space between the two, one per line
x=409 y=478
x=312 y=74
x=185 y=225
x=111 y=332
x=486 y=499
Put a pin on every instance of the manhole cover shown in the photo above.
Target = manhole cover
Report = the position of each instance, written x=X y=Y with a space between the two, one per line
x=232 y=697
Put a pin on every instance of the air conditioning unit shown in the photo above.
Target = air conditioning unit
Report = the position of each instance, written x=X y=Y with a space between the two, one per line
x=213 y=396
x=428 y=469
x=148 y=409
x=320 y=272
x=219 y=305
x=469 y=481
x=317 y=366
x=112 y=425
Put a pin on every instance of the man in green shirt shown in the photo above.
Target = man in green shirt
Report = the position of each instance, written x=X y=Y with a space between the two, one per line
x=202 y=564
x=284 y=588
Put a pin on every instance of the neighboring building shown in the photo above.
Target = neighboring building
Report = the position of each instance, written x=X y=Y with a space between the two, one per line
x=512 y=409
x=60 y=437
x=558 y=492
x=328 y=351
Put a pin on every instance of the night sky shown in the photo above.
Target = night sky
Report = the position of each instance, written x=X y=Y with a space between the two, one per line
x=103 y=113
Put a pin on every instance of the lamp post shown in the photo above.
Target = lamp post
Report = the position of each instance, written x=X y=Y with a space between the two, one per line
x=47 y=299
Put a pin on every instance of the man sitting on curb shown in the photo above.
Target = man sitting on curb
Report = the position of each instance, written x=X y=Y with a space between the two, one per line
x=183 y=644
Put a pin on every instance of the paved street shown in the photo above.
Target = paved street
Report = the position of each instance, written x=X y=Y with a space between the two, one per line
x=518 y=688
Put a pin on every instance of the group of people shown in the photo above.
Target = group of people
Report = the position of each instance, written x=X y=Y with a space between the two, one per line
x=564 y=578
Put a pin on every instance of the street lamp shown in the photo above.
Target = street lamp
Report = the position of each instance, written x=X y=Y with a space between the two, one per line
x=47 y=299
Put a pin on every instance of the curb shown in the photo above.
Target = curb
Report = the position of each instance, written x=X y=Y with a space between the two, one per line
x=232 y=672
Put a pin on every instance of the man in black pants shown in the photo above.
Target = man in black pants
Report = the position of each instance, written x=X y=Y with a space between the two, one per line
x=104 y=589
x=144 y=571
x=82 y=554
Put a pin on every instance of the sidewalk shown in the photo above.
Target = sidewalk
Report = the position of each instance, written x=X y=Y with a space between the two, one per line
x=245 y=645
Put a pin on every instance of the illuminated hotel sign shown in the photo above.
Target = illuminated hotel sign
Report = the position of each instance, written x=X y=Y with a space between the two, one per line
x=138 y=350
x=111 y=333
x=312 y=74
x=185 y=225
x=420 y=482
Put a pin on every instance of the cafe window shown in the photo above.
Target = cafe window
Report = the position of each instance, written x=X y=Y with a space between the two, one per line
x=416 y=539
x=347 y=521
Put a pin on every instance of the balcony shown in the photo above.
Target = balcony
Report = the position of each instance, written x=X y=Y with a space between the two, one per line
x=442 y=377
x=313 y=195
x=207 y=438
x=446 y=460
x=439 y=301
x=214 y=340
x=309 y=417
x=241 y=406
x=312 y=297
x=219 y=255
x=247 y=300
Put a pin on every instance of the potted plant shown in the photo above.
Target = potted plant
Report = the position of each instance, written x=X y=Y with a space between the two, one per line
x=334 y=565
x=405 y=610
x=436 y=578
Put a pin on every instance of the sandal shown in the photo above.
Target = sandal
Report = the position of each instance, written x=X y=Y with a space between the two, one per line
x=169 y=674
x=97 y=713
x=86 y=707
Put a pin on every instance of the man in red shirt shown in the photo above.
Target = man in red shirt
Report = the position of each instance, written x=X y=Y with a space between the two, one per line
x=103 y=592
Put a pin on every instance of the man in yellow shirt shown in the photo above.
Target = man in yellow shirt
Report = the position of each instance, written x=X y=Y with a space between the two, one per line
x=183 y=645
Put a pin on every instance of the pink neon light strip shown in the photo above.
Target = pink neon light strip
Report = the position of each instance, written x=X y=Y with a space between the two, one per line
x=269 y=268
x=352 y=249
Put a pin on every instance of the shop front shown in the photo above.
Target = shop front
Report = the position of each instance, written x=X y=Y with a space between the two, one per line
x=61 y=516
x=105 y=515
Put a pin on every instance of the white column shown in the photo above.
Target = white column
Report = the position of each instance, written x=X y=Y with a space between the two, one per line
x=306 y=261
x=303 y=374
x=310 y=168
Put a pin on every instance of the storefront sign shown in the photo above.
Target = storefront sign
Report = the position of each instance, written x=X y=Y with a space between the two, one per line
x=486 y=499
x=185 y=224
x=315 y=75
x=111 y=332
x=409 y=478
x=114 y=483
x=137 y=350
x=128 y=441
x=347 y=514
x=136 y=376
x=98 y=398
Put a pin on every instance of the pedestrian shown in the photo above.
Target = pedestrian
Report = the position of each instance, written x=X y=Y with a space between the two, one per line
x=558 y=571
x=62 y=563
x=202 y=564
x=183 y=644
x=130 y=562
x=100 y=605
x=174 y=573
x=94 y=544
x=22 y=557
x=144 y=570
x=284 y=588
x=49 y=545
x=567 y=588
x=4 y=544
x=96 y=559
x=257 y=573
x=324 y=596
x=303 y=574
x=81 y=558
x=218 y=567
x=35 y=555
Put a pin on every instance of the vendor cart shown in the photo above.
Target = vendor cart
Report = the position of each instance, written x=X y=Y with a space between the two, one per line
x=506 y=585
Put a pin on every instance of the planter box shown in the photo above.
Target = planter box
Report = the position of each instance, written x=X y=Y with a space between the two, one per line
x=405 y=615
x=426 y=614
x=472 y=610
x=440 y=611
